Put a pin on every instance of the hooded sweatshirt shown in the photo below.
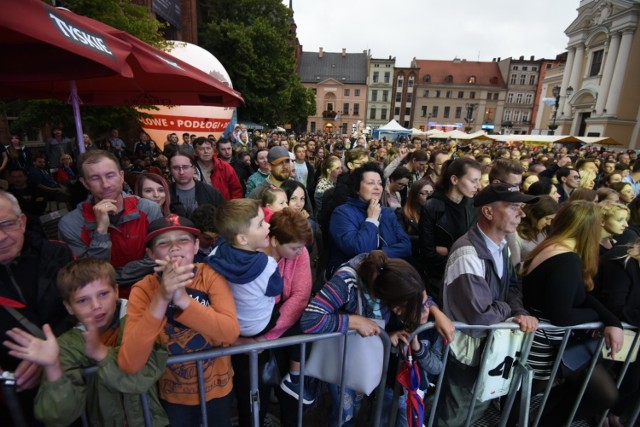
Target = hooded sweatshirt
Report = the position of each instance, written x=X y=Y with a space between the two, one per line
x=255 y=283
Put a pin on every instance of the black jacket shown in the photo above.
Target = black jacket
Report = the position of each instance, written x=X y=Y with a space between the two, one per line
x=437 y=227
x=34 y=272
x=617 y=285
x=205 y=194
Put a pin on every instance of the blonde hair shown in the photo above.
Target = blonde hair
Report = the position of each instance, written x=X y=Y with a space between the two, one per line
x=578 y=220
x=609 y=208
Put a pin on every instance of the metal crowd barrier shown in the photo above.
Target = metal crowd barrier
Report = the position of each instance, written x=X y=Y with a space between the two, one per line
x=521 y=383
x=252 y=349
x=523 y=376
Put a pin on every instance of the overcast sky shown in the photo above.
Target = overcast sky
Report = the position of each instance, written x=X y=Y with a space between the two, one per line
x=436 y=29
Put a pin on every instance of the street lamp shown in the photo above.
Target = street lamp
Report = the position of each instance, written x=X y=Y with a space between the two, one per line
x=470 y=109
x=556 y=95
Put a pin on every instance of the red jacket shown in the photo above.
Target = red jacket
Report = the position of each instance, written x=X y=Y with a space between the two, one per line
x=225 y=180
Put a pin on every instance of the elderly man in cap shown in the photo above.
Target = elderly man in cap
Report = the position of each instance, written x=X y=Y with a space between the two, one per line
x=280 y=163
x=480 y=288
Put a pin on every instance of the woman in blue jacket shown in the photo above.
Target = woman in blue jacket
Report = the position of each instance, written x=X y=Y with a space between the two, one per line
x=362 y=224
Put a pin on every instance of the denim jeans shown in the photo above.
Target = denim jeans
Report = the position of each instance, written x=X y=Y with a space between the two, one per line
x=218 y=413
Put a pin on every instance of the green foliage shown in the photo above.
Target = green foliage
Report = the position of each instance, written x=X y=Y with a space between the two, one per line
x=251 y=38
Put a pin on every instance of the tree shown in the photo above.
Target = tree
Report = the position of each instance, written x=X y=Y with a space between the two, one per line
x=251 y=38
x=121 y=14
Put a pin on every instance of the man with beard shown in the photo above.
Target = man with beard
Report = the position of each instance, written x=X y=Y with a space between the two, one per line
x=280 y=162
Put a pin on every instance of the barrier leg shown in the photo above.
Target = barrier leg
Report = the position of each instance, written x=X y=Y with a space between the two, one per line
x=146 y=411
x=254 y=393
x=436 y=395
x=203 y=396
x=12 y=402
x=303 y=352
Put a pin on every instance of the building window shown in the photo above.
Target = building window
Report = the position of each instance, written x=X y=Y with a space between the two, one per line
x=398 y=96
x=356 y=92
x=525 y=68
x=534 y=68
x=396 y=111
x=372 y=114
x=488 y=115
x=488 y=96
x=515 y=68
x=313 y=126
x=525 y=117
x=471 y=80
x=447 y=111
x=385 y=96
x=532 y=80
x=460 y=94
x=410 y=81
x=424 y=111
x=458 y=112
x=495 y=96
x=523 y=79
x=407 y=111
x=519 y=98
x=344 y=128
x=516 y=116
x=437 y=94
x=449 y=94
x=383 y=114
x=345 y=109
x=427 y=78
x=510 y=98
x=376 y=74
x=406 y=124
x=387 y=77
x=409 y=97
x=347 y=92
x=528 y=98
x=425 y=94
x=472 y=95
x=596 y=62
x=374 y=95
x=514 y=78
x=400 y=82
x=356 y=109
x=315 y=91
x=448 y=79
x=507 y=116
x=434 y=112
x=330 y=106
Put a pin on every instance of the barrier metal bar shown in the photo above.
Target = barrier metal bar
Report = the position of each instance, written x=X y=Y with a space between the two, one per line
x=585 y=383
x=254 y=393
x=303 y=354
x=343 y=377
x=146 y=411
x=622 y=373
x=203 y=400
x=635 y=415
x=11 y=400
x=522 y=375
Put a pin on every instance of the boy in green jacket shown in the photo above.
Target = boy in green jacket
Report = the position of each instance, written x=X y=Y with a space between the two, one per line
x=110 y=397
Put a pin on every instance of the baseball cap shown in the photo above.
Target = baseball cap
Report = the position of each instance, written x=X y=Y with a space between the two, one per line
x=169 y=223
x=500 y=192
x=277 y=155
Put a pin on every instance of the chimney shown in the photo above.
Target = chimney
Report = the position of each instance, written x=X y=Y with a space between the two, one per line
x=533 y=58
x=344 y=52
x=498 y=59
x=321 y=53
x=522 y=58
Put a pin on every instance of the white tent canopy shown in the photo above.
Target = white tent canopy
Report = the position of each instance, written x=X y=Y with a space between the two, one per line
x=393 y=126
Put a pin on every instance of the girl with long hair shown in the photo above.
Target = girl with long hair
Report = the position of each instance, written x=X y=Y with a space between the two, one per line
x=558 y=276
x=155 y=188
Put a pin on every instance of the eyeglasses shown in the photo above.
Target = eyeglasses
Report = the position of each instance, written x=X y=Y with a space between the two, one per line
x=426 y=193
x=10 y=225
x=183 y=168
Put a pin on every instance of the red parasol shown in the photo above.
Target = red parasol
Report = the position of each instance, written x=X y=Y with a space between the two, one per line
x=64 y=55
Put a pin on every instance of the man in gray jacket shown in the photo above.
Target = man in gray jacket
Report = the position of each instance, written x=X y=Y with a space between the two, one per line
x=480 y=288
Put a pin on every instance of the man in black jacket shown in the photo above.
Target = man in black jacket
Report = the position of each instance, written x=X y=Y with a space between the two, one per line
x=186 y=193
x=29 y=265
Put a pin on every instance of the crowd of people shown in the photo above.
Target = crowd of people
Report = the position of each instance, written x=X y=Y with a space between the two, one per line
x=199 y=243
